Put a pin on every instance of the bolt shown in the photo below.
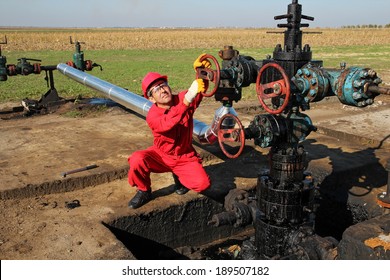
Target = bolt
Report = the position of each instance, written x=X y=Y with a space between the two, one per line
x=361 y=103
x=356 y=95
x=372 y=73
x=313 y=81
x=307 y=72
x=277 y=88
x=357 y=83
x=313 y=92
x=364 y=74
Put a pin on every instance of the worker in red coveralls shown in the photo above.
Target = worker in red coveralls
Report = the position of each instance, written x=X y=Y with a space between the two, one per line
x=171 y=122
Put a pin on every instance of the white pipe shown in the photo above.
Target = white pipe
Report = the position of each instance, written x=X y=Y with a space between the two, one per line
x=124 y=97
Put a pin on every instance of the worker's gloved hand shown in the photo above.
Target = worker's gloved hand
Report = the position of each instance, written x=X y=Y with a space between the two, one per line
x=201 y=64
x=196 y=87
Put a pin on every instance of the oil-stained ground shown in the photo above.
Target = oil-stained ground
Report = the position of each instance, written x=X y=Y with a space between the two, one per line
x=84 y=215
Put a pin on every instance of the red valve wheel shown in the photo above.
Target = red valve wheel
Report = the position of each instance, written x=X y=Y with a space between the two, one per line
x=88 y=65
x=71 y=64
x=209 y=74
x=37 y=68
x=11 y=70
x=232 y=133
x=275 y=90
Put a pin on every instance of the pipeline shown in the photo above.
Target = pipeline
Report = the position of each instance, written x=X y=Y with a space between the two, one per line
x=205 y=134
x=128 y=99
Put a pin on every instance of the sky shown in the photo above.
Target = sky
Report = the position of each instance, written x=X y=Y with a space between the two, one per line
x=184 y=13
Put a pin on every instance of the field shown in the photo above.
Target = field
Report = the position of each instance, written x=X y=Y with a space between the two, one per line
x=127 y=54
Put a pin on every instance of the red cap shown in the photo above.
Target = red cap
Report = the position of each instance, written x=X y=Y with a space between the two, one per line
x=149 y=79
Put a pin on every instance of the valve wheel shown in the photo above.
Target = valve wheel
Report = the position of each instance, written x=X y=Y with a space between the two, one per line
x=209 y=74
x=37 y=68
x=233 y=134
x=71 y=64
x=11 y=69
x=88 y=65
x=275 y=90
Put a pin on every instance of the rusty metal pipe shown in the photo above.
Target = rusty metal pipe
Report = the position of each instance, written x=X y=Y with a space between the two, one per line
x=64 y=174
x=378 y=89
x=203 y=133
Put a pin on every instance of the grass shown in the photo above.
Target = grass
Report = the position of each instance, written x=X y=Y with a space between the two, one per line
x=123 y=68
x=170 y=52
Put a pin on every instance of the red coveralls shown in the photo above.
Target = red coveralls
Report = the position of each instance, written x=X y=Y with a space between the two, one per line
x=172 y=150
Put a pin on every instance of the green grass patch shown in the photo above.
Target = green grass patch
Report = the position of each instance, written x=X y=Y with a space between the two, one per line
x=126 y=68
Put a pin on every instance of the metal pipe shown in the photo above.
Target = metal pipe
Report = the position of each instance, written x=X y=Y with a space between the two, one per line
x=209 y=134
x=377 y=89
x=137 y=103
x=126 y=98
x=64 y=174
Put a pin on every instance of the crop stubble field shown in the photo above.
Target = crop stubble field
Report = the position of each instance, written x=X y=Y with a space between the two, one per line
x=127 y=54
x=127 y=39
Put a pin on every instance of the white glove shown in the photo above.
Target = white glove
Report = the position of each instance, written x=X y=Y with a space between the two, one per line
x=192 y=92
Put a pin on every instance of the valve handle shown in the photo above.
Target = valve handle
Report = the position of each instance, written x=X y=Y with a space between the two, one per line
x=5 y=40
x=88 y=65
x=75 y=42
x=209 y=74
x=3 y=43
x=275 y=90
x=231 y=134
x=71 y=64
x=25 y=59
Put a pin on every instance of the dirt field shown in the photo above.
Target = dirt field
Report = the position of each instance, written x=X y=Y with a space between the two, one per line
x=40 y=215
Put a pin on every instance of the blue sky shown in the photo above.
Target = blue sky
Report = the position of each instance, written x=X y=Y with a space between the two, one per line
x=182 y=13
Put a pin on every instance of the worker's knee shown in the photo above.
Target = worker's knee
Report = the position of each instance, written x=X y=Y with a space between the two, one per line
x=136 y=159
x=200 y=183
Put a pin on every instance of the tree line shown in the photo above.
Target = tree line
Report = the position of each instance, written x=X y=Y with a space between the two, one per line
x=367 y=26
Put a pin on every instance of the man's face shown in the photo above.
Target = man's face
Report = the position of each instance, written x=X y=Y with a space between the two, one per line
x=160 y=93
